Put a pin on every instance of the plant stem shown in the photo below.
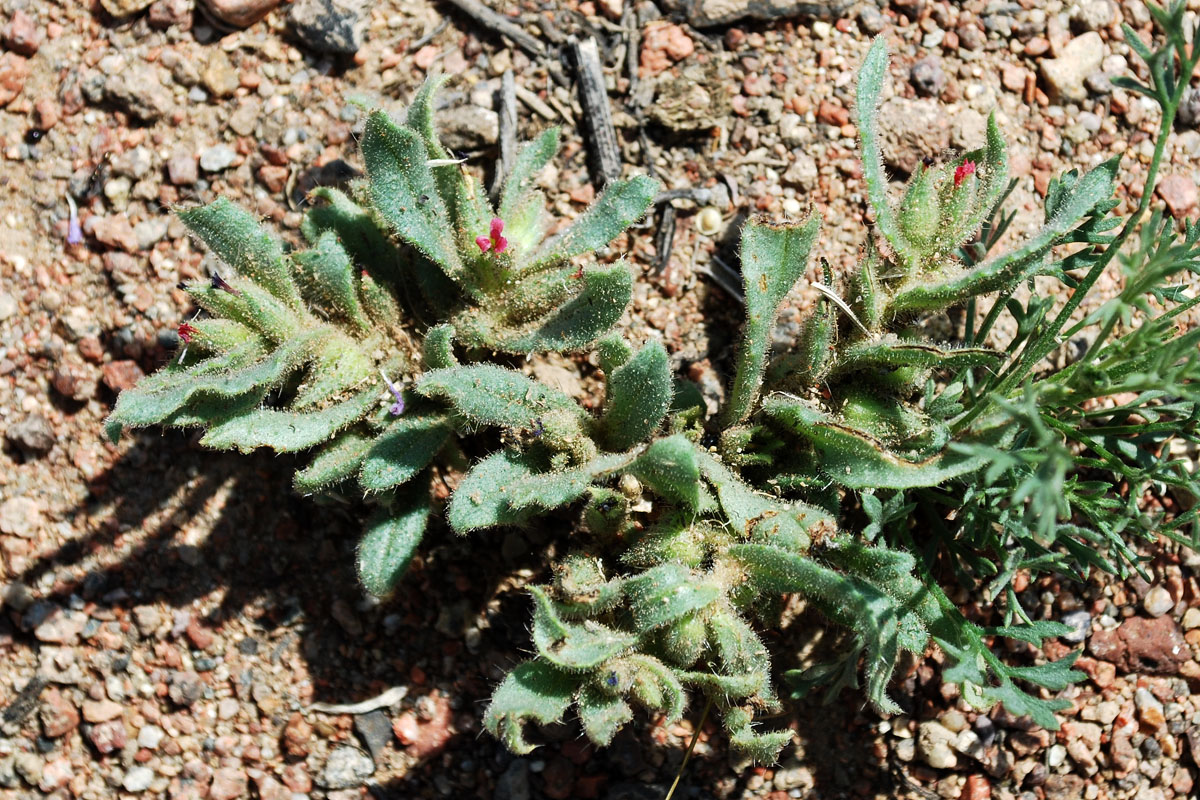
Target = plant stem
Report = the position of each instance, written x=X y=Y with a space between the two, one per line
x=691 y=746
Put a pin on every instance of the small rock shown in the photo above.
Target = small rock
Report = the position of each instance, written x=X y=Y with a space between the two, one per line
x=1139 y=644
x=56 y=773
x=375 y=729
x=1092 y=15
x=970 y=36
x=21 y=34
x=1056 y=755
x=29 y=767
x=297 y=735
x=125 y=8
x=1188 y=115
x=468 y=127
x=239 y=13
x=708 y=13
x=108 y=737
x=912 y=130
x=1150 y=709
x=122 y=375
x=137 y=779
x=269 y=788
x=830 y=113
x=513 y=784
x=61 y=627
x=8 y=306
x=100 y=710
x=1180 y=194
x=333 y=27
x=58 y=714
x=139 y=91
x=186 y=688
x=1157 y=601
x=1065 y=75
x=927 y=77
x=171 y=13
x=663 y=44
x=934 y=742
x=228 y=784
x=181 y=168
x=220 y=77
x=217 y=158
x=346 y=768
x=33 y=436
x=1081 y=624
x=150 y=232
x=75 y=381
x=977 y=787
x=1191 y=619
x=150 y=736
x=113 y=230
x=13 y=72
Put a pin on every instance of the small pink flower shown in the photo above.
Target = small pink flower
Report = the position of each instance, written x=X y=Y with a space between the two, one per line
x=186 y=332
x=496 y=241
x=962 y=171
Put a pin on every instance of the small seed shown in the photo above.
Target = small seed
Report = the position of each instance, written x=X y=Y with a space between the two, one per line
x=708 y=221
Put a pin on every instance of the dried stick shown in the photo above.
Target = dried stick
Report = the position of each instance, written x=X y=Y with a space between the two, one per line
x=501 y=25
x=508 y=131
x=606 y=154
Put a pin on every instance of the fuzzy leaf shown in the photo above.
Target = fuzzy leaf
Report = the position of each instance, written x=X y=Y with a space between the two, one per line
x=576 y=324
x=534 y=691
x=356 y=229
x=668 y=466
x=666 y=593
x=574 y=647
x=871 y=76
x=856 y=459
x=438 y=349
x=486 y=394
x=407 y=446
x=236 y=237
x=334 y=463
x=602 y=715
x=330 y=278
x=890 y=351
x=391 y=540
x=774 y=257
x=404 y=191
x=639 y=394
x=622 y=204
x=286 y=431
x=1015 y=265
x=530 y=160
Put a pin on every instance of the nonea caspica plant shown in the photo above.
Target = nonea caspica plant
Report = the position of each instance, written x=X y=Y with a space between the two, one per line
x=856 y=472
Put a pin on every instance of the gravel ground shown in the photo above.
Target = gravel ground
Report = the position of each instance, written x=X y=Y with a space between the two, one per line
x=161 y=630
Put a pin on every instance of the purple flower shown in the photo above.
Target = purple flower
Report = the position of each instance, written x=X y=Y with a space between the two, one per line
x=397 y=408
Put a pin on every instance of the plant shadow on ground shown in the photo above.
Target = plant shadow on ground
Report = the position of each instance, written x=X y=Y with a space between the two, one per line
x=171 y=524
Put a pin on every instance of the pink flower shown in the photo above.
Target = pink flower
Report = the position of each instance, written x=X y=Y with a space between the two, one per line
x=496 y=241
x=186 y=332
x=962 y=171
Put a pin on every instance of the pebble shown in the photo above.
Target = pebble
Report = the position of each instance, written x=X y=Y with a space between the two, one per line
x=108 y=737
x=1056 y=755
x=217 y=158
x=181 y=168
x=21 y=34
x=33 y=436
x=186 y=688
x=228 y=784
x=332 y=27
x=239 y=13
x=1065 y=75
x=138 y=91
x=150 y=736
x=137 y=779
x=1180 y=194
x=375 y=729
x=927 y=77
x=1191 y=618
x=1188 y=114
x=58 y=714
x=167 y=13
x=1157 y=601
x=14 y=70
x=468 y=127
x=8 y=306
x=663 y=44
x=62 y=627
x=1092 y=15
x=1081 y=623
x=220 y=77
x=125 y=8
x=100 y=710
x=346 y=768
x=29 y=767
x=1150 y=709
x=934 y=741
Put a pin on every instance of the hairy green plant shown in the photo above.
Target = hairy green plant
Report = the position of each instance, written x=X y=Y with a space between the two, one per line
x=298 y=348
x=829 y=473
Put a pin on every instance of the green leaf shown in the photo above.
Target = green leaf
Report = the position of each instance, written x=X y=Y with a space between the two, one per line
x=391 y=540
x=357 y=231
x=666 y=593
x=871 y=76
x=602 y=299
x=602 y=715
x=531 y=159
x=858 y=460
x=236 y=237
x=622 y=204
x=890 y=351
x=534 y=691
x=438 y=349
x=330 y=278
x=639 y=393
x=408 y=445
x=1011 y=267
x=774 y=257
x=404 y=191
x=286 y=431
x=486 y=394
x=669 y=467
x=574 y=647
x=334 y=463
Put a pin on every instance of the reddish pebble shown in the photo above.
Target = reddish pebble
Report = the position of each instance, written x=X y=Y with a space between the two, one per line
x=663 y=44
x=273 y=177
x=417 y=676
x=583 y=194
x=121 y=375
x=200 y=636
x=21 y=34
x=406 y=728
x=976 y=788
x=13 y=71
x=46 y=113
x=832 y=114
x=423 y=59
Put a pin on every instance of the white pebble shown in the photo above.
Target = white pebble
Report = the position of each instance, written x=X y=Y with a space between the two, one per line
x=150 y=736
x=1157 y=601
x=138 y=779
